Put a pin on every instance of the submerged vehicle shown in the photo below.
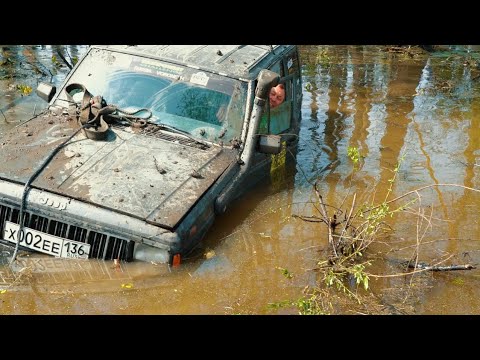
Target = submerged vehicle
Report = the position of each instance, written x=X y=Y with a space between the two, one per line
x=142 y=146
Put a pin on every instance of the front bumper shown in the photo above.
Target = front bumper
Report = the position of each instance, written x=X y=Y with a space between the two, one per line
x=111 y=235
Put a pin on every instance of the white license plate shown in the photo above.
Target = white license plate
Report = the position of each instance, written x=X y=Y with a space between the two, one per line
x=46 y=243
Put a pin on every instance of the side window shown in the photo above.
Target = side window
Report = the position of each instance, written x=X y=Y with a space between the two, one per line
x=278 y=112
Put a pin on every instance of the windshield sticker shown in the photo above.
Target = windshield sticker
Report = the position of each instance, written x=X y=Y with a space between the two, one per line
x=290 y=63
x=199 y=78
x=155 y=68
x=142 y=69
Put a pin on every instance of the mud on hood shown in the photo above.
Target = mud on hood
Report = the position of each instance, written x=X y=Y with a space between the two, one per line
x=149 y=178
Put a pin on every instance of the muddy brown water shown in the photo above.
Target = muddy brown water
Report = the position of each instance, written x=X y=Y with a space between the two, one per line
x=417 y=108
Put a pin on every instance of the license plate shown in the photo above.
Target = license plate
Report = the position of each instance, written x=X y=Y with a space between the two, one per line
x=46 y=243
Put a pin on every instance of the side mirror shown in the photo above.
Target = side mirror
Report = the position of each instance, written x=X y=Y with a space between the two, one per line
x=46 y=91
x=270 y=144
x=265 y=81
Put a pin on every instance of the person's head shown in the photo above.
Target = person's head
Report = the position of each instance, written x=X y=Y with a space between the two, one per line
x=277 y=95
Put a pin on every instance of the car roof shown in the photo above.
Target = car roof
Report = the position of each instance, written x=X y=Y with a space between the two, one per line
x=236 y=61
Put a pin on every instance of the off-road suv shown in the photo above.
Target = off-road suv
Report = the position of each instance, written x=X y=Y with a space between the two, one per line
x=142 y=147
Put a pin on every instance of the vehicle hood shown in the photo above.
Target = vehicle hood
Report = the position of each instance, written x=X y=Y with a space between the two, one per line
x=143 y=176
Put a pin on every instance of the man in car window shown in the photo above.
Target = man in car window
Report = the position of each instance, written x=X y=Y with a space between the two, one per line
x=277 y=95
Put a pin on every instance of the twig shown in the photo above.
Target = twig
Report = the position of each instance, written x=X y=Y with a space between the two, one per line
x=36 y=67
x=441 y=268
x=428 y=242
x=420 y=189
x=411 y=272
x=4 y=116
x=309 y=247
x=417 y=238
x=323 y=210
x=309 y=218
x=66 y=52
x=64 y=60
x=327 y=220
x=347 y=221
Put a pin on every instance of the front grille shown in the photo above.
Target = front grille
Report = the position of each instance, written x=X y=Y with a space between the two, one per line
x=102 y=246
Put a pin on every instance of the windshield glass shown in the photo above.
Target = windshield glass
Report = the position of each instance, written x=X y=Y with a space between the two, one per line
x=208 y=106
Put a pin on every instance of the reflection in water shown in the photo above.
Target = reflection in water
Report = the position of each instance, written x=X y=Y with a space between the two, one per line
x=28 y=66
x=422 y=108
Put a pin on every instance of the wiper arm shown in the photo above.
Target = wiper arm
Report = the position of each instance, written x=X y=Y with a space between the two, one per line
x=182 y=132
x=131 y=118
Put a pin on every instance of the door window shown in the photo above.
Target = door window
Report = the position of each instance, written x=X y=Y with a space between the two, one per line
x=278 y=109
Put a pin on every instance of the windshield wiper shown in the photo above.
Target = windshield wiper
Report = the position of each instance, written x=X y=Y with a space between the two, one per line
x=131 y=118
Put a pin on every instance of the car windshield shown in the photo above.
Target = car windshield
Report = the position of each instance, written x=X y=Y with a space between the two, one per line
x=208 y=106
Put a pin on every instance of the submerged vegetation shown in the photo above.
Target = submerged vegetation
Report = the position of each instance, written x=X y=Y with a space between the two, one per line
x=353 y=229
x=370 y=266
